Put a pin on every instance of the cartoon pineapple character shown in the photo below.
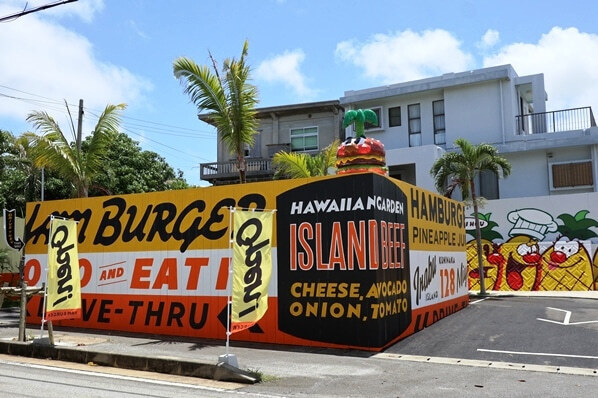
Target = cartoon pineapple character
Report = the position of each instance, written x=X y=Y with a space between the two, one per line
x=522 y=256
x=566 y=265
x=492 y=260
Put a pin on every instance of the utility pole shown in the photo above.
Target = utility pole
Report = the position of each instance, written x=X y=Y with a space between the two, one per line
x=80 y=125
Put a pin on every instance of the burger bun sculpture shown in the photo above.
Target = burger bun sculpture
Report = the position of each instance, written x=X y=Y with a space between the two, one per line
x=360 y=154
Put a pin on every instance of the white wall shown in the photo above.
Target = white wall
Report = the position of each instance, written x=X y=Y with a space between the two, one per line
x=423 y=157
x=529 y=175
x=473 y=112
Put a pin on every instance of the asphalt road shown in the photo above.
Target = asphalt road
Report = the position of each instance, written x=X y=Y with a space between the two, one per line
x=538 y=330
x=26 y=377
x=551 y=341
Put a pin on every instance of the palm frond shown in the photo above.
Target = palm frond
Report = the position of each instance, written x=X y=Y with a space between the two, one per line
x=291 y=165
x=103 y=134
x=53 y=150
x=328 y=156
x=203 y=86
x=370 y=116
x=349 y=118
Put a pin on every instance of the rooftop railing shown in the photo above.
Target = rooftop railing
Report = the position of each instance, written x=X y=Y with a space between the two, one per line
x=221 y=172
x=555 y=121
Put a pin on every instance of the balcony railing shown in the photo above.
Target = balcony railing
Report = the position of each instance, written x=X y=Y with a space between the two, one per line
x=227 y=172
x=555 y=121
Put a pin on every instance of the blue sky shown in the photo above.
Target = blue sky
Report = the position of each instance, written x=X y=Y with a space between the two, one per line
x=121 y=51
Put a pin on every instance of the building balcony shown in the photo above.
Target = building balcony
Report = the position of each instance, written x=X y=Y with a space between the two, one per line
x=555 y=121
x=222 y=173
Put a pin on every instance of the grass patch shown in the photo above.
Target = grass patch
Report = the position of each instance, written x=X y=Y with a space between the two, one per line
x=260 y=376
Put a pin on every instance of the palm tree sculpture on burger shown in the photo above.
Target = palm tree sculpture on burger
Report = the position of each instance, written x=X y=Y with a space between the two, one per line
x=361 y=154
x=359 y=117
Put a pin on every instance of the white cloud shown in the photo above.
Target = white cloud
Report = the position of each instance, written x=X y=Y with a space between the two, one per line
x=285 y=69
x=567 y=57
x=138 y=31
x=489 y=39
x=46 y=59
x=406 y=55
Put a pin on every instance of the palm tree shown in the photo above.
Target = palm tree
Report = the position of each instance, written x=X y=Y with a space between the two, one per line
x=53 y=151
x=461 y=169
x=230 y=99
x=359 y=117
x=303 y=165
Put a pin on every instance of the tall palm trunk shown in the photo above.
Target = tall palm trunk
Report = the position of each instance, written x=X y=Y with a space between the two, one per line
x=242 y=164
x=478 y=236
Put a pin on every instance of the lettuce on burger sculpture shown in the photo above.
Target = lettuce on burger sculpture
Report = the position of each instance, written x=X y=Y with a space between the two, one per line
x=360 y=154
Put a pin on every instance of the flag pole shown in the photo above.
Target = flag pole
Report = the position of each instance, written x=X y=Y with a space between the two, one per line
x=230 y=262
x=41 y=331
x=227 y=358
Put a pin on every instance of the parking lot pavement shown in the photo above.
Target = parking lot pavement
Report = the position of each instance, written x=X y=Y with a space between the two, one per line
x=549 y=330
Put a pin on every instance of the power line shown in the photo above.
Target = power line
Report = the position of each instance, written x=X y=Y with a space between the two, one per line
x=146 y=126
x=178 y=151
x=12 y=17
x=162 y=124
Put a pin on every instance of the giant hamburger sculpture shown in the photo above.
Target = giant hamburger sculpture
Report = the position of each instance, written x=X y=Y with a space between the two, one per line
x=360 y=154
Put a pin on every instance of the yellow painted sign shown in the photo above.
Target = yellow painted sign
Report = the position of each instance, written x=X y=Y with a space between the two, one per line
x=252 y=267
x=64 y=287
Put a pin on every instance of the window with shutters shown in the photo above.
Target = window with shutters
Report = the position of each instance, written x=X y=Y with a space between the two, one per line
x=568 y=175
x=415 y=125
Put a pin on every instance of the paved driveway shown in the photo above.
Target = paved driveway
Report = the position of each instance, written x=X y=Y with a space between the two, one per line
x=531 y=330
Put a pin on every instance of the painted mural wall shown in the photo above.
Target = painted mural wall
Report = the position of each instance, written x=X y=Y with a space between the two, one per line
x=359 y=261
x=536 y=244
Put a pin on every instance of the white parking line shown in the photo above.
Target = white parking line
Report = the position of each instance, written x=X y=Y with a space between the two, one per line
x=567 y=320
x=478 y=301
x=490 y=364
x=544 y=354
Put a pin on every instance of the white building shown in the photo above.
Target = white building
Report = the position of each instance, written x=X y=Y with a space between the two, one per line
x=551 y=152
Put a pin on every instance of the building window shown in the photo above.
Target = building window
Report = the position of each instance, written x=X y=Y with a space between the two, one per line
x=371 y=126
x=567 y=175
x=394 y=116
x=304 y=139
x=415 y=125
x=439 y=132
x=487 y=185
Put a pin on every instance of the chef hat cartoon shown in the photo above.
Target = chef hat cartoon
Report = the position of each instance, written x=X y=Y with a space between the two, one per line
x=531 y=222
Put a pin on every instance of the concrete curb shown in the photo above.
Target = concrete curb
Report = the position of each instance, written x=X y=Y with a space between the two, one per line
x=174 y=366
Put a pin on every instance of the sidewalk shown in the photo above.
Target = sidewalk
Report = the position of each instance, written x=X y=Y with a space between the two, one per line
x=300 y=371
